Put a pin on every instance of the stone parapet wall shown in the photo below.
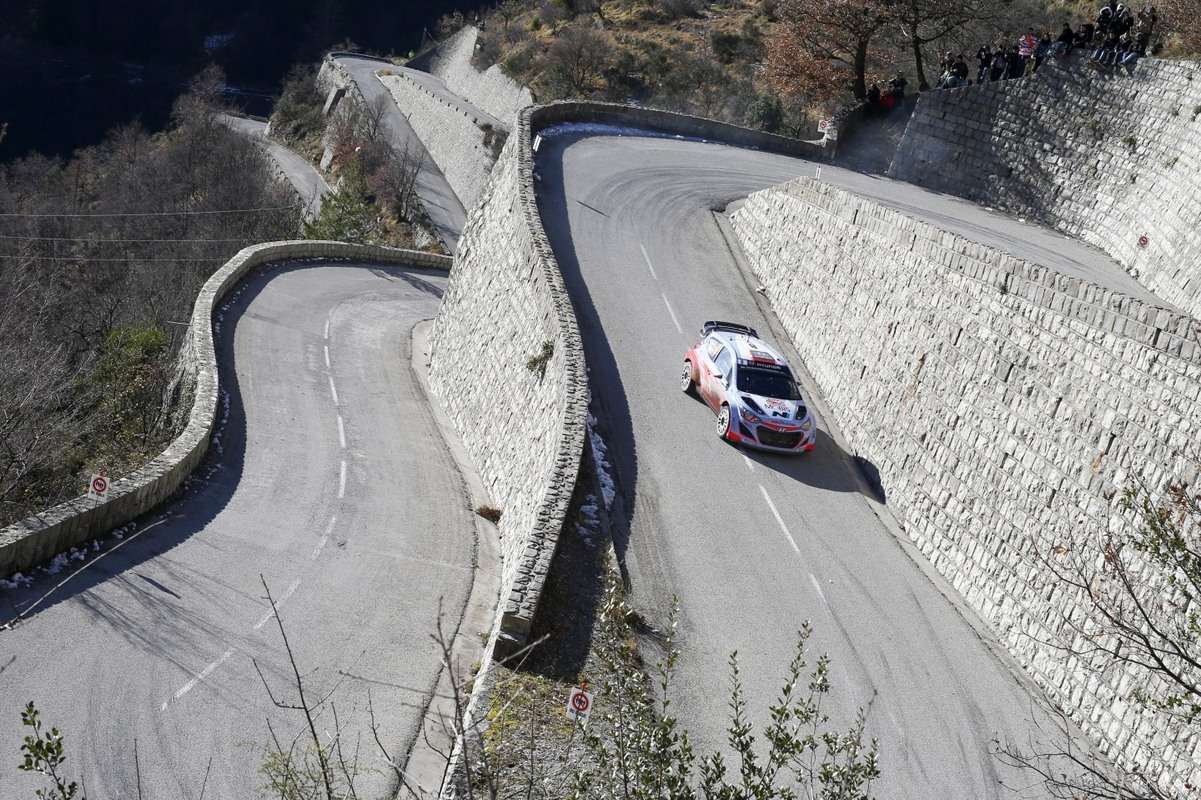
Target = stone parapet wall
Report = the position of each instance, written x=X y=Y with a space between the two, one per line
x=1004 y=405
x=39 y=538
x=491 y=90
x=1107 y=157
x=458 y=142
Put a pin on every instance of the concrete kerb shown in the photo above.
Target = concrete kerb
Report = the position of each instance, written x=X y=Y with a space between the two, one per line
x=42 y=536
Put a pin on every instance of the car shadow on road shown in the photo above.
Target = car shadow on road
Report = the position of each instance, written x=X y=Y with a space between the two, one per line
x=828 y=466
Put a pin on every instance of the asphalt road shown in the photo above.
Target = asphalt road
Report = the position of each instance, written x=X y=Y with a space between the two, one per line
x=440 y=201
x=332 y=481
x=304 y=177
x=754 y=544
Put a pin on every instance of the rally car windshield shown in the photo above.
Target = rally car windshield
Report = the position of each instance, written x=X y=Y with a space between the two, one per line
x=767 y=384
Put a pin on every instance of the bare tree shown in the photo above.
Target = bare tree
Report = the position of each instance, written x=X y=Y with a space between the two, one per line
x=820 y=41
x=577 y=59
x=1135 y=612
x=922 y=22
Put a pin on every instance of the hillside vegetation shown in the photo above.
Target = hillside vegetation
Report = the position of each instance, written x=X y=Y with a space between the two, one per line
x=101 y=258
x=770 y=64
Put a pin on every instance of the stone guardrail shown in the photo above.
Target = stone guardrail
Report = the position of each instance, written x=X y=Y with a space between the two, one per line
x=40 y=537
x=674 y=123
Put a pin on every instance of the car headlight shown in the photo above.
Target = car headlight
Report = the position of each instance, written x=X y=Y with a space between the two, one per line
x=748 y=416
x=807 y=425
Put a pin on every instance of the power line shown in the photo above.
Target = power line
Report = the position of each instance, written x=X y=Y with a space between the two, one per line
x=122 y=260
x=155 y=213
x=124 y=241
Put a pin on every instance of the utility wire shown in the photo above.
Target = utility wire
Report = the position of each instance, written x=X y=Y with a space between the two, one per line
x=156 y=213
x=126 y=241
x=122 y=260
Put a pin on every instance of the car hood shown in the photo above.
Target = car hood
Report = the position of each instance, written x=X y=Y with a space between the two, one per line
x=772 y=408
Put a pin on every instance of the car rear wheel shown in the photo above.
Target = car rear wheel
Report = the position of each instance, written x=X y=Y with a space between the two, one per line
x=723 y=422
x=686 y=384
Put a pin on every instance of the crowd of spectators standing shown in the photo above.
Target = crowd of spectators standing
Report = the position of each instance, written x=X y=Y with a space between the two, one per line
x=1118 y=36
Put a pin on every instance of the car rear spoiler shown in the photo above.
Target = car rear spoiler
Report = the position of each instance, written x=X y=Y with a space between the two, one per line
x=732 y=327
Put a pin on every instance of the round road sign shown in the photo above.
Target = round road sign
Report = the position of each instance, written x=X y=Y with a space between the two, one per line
x=580 y=702
x=1143 y=241
x=99 y=484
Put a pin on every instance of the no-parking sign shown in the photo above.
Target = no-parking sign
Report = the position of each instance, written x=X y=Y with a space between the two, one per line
x=98 y=487
x=579 y=704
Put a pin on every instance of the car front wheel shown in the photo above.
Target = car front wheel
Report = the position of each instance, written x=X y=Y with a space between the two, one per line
x=723 y=422
x=686 y=384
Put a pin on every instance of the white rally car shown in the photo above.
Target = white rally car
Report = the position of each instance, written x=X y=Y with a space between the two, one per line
x=749 y=386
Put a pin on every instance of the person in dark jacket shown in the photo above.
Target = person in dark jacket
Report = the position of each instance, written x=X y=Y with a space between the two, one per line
x=1000 y=62
x=1063 y=44
x=1017 y=65
x=1144 y=28
x=1084 y=35
x=984 y=63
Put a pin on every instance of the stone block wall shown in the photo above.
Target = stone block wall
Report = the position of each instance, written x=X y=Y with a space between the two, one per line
x=1107 y=157
x=39 y=538
x=491 y=90
x=458 y=142
x=1005 y=407
x=508 y=366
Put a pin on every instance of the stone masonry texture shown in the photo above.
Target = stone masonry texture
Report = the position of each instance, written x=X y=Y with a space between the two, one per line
x=506 y=301
x=1005 y=406
x=458 y=142
x=491 y=90
x=1106 y=157
x=39 y=538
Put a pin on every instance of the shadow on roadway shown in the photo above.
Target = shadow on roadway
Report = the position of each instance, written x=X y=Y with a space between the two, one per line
x=177 y=519
x=827 y=467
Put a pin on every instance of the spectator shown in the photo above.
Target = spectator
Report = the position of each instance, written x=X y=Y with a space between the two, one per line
x=1041 y=51
x=1128 y=51
x=1063 y=45
x=1000 y=63
x=1017 y=64
x=1145 y=27
x=1106 y=53
x=1106 y=16
x=1084 y=35
x=984 y=62
x=873 y=97
x=1027 y=43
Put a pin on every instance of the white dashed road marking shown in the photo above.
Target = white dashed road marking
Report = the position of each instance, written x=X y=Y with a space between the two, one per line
x=326 y=348
x=675 y=321
x=817 y=585
x=749 y=464
x=324 y=538
x=327 y=329
x=203 y=675
x=647 y=258
x=342 y=481
x=779 y=519
x=279 y=602
x=333 y=390
x=341 y=432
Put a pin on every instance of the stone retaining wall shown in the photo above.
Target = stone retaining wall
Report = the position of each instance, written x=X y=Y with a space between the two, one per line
x=1005 y=407
x=39 y=538
x=458 y=142
x=1107 y=157
x=525 y=428
x=491 y=90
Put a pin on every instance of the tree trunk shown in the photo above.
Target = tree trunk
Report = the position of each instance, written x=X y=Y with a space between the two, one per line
x=860 y=86
x=922 y=84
